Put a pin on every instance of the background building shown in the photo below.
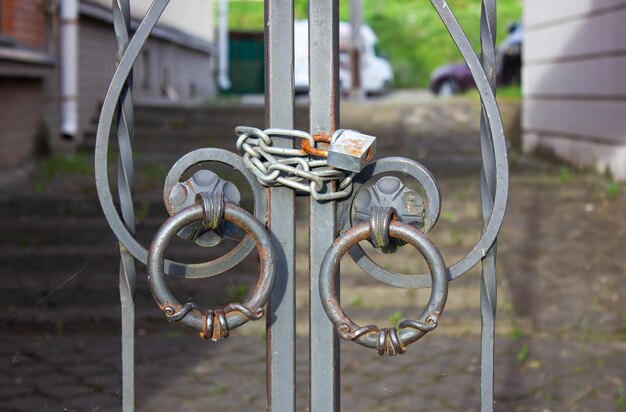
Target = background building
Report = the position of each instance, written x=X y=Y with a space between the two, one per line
x=176 y=65
x=573 y=81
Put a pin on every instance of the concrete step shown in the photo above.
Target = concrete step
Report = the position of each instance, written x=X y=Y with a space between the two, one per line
x=37 y=205
x=58 y=258
x=89 y=301
x=164 y=128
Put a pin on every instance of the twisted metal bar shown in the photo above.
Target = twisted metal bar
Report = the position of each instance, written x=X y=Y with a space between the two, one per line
x=488 y=287
x=497 y=165
x=109 y=108
x=125 y=179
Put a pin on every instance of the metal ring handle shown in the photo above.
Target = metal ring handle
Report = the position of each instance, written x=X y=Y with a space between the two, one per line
x=214 y=324
x=384 y=340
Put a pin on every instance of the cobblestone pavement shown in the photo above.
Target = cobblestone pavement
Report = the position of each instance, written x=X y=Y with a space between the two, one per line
x=561 y=334
x=186 y=374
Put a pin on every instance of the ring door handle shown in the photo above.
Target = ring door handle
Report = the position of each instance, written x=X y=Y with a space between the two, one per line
x=212 y=324
x=385 y=340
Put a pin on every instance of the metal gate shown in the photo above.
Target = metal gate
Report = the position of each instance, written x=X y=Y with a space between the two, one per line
x=351 y=199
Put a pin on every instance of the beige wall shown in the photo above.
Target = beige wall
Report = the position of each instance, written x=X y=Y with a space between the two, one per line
x=194 y=17
x=573 y=81
x=186 y=72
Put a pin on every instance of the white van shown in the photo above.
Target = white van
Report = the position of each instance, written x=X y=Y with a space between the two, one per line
x=376 y=72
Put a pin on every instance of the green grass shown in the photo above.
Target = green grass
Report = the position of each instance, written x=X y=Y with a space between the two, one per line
x=620 y=402
x=395 y=318
x=410 y=31
x=47 y=169
x=565 y=175
x=522 y=354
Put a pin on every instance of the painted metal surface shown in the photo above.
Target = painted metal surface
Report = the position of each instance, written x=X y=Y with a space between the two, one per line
x=324 y=119
x=488 y=192
x=281 y=320
x=127 y=276
x=350 y=201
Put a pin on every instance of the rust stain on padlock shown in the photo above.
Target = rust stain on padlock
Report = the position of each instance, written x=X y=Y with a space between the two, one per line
x=354 y=146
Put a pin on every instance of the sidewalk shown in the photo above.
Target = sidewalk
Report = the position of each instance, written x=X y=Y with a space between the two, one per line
x=561 y=331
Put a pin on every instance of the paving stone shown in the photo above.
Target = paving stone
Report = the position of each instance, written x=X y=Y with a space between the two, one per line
x=8 y=392
x=354 y=403
x=32 y=403
x=93 y=403
x=66 y=392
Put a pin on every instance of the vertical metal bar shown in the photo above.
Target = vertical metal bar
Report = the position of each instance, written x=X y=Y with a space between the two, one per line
x=488 y=289
x=324 y=118
x=125 y=131
x=279 y=92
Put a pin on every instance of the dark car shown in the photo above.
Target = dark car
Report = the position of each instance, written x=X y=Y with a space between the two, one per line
x=456 y=78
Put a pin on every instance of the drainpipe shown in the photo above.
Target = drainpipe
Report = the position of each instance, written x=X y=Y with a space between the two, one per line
x=69 y=68
x=356 y=20
x=222 y=77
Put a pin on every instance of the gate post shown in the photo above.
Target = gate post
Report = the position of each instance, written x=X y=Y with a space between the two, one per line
x=279 y=112
x=324 y=95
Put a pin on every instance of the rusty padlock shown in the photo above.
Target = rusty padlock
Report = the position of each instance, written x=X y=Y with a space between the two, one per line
x=350 y=150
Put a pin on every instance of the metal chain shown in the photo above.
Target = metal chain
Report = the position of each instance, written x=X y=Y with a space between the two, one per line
x=302 y=169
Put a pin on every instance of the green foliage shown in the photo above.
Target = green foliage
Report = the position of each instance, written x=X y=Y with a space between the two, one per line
x=410 y=32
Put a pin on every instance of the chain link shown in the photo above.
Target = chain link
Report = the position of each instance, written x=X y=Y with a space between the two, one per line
x=294 y=168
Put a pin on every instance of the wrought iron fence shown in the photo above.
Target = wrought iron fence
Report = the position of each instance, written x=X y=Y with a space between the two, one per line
x=330 y=166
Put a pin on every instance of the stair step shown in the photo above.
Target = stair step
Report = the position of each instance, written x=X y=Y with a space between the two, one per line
x=59 y=258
